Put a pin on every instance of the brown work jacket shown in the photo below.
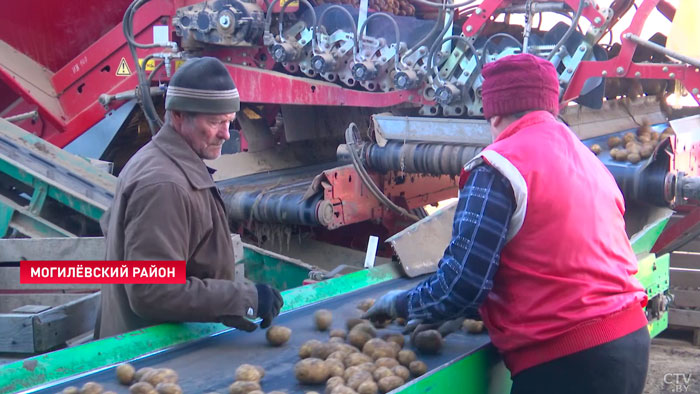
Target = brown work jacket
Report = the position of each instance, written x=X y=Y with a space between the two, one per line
x=167 y=207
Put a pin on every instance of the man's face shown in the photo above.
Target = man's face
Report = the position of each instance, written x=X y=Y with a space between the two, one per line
x=206 y=133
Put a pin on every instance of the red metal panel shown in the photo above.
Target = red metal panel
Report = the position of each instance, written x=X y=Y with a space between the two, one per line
x=54 y=32
x=271 y=87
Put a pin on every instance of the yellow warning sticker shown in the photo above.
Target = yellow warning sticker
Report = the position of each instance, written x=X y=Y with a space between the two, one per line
x=292 y=3
x=151 y=64
x=123 y=69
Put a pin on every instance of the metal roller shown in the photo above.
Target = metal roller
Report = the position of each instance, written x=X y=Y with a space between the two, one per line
x=419 y=158
x=277 y=206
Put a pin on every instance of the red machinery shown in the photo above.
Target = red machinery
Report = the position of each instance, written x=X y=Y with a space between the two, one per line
x=302 y=81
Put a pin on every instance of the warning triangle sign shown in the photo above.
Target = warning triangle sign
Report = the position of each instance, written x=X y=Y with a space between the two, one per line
x=123 y=69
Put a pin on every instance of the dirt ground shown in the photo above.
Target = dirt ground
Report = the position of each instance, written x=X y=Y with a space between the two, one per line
x=674 y=364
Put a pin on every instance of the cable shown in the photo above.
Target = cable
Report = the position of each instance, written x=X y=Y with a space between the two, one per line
x=144 y=86
x=397 y=34
x=463 y=39
x=438 y=23
x=284 y=7
x=448 y=6
x=569 y=31
x=367 y=180
x=488 y=41
x=433 y=46
x=320 y=19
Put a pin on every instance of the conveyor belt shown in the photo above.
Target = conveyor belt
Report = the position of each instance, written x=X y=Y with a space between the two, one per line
x=209 y=364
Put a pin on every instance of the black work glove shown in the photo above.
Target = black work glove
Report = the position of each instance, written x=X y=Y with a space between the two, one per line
x=416 y=326
x=269 y=304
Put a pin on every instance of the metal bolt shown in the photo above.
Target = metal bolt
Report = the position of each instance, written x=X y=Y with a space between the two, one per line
x=470 y=28
x=421 y=51
x=478 y=11
x=410 y=98
x=696 y=91
x=665 y=69
x=672 y=75
x=225 y=21
x=466 y=73
x=597 y=20
x=582 y=48
x=568 y=70
x=228 y=59
x=637 y=74
x=620 y=70
x=604 y=73
x=245 y=63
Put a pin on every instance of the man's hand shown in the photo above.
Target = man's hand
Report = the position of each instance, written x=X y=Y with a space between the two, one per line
x=414 y=327
x=385 y=307
x=269 y=304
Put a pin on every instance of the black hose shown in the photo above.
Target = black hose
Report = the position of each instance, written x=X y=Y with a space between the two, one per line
x=281 y=19
x=397 y=33
x=440 y=5
x=569 y=31
x=437 y=42
x=320 y=19
x=505 y=35
x=460 y=38
x=438 y=23
x=149 y=109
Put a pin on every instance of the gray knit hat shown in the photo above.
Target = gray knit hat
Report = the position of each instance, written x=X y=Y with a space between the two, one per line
x=202 y=85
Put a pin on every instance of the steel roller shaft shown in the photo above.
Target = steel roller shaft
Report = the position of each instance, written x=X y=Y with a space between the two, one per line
x=418 y=158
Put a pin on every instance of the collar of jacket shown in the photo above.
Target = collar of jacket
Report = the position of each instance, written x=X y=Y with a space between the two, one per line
x=180 y=152
x=528 y=120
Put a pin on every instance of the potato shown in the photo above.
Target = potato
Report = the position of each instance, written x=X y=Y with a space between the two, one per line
x=634 y=157
x=256 y=392
x=71 y=390
x=595 y=148
x=337 y=355
x=621 y=155
x=125 y=373
x=358 y=338
x=323 y=319
x=614 y=141
x=336 y=340
x=406 y=357
x=428 y=341
x=386 y=362
x=366 y=327
x=418 y=368
x=357 y=379
x=160 y=375
x=382 y=372
x=395 y=338
x=351 y=371
x=109 y=392
x=91 y=388
x=645 y=138
x=249 y=373
x=371 y=345
x=338 y=333
x=141 y=372
x=644 y=129
x=142 y=388
x=389 y=350
x=278 y=335
x=647 y=151
x=243 y=387
x=389 y=383
x=473 y=326
x=353 y=359
x=654 y=136
x=368 y=387
x=368 y=366
x=629 y=136
x=401 y=372
x=365 y=304
x=343 y=390
x=351 y=323
x=335 y=367
x=334 y=381
x=168 y=388
x=308 y=346
x=311 y=371
x=632 y=146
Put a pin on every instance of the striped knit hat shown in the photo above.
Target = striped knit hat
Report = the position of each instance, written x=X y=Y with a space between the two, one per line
x=202 y=85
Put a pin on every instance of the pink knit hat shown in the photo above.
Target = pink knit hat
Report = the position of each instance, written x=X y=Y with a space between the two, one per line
x=519 y=83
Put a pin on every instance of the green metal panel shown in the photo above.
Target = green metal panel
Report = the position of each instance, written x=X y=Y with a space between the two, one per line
x=6 y=213
x=31 y=372
x=478 y=373
x=268 y=269
x=653 y=274
x=642 y=242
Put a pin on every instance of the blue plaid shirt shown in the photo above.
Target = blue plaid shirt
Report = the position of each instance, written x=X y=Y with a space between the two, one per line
x=465 y=272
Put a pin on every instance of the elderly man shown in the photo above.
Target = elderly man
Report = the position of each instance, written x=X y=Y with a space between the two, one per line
x=167 y=207
x=539 y=249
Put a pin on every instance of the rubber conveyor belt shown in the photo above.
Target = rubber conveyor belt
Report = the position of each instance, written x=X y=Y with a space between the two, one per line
x=209 y=364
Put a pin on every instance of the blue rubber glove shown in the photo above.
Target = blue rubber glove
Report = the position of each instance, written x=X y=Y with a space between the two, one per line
x=386 y=307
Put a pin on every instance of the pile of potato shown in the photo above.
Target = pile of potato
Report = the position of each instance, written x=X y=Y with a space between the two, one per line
x=396 y=7
x=634 y=147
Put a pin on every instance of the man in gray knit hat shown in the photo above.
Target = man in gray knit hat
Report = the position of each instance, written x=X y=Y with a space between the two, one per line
x=167 y=207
